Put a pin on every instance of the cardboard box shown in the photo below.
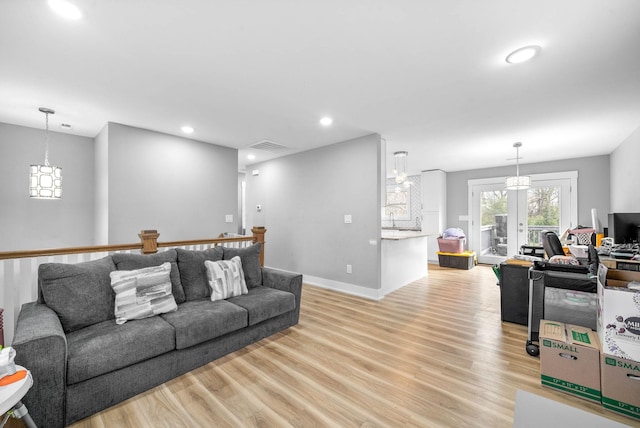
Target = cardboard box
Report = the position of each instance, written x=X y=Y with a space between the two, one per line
x=618 y=313
x=620 y=385
x=570 y=359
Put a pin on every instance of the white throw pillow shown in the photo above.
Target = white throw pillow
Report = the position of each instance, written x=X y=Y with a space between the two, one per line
x=143 y=292
x=226 y=278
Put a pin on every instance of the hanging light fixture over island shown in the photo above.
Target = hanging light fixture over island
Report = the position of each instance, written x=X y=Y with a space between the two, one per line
x=518 y=182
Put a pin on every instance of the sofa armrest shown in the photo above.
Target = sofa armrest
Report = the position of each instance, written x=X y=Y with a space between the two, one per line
x=41 y=347
x=285 y=281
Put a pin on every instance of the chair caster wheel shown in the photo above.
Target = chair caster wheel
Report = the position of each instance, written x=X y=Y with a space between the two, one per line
x=532 y=349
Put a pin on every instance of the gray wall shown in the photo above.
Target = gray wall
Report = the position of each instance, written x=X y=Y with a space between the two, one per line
x=27 y=224
x=181 y=187
x=625 y=175
x=304 y=198
x=593 y=186
x=101 y=189
x=126 y=180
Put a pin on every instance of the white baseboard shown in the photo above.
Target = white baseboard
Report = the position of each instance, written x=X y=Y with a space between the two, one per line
x=347 y=288
x=344 y=287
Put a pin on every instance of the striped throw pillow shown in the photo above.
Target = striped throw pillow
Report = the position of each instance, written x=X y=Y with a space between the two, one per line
x=226 y=278
x=142 y=293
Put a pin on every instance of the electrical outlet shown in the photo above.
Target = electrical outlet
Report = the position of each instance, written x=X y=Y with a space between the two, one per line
x=349 y=269
x=229 y=218
x=347 y=218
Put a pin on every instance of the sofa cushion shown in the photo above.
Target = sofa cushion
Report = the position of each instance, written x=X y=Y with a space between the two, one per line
x=263 y=303
x=250 y=257
x=126 y=261
x=142 y=293
x=197 y=321
x=193 y=272
x=79 y=293
x=226 y=278
x=105 y=347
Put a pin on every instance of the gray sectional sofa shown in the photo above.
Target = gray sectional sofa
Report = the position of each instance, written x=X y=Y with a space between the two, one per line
x=83 y=362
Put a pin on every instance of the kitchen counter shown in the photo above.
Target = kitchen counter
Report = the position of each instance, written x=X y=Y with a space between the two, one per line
x=402 y=234
x=404 y=257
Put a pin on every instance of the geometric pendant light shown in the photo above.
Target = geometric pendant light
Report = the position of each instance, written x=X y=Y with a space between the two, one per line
x=45 y=181
x=518 y=182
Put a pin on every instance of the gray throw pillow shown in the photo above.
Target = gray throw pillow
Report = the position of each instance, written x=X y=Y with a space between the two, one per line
x=142 y=293
x=250 y=257
x=80 y=294
x=126 y=261
x=193 y=272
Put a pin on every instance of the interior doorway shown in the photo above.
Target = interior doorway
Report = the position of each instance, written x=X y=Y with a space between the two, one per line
x=501 y=220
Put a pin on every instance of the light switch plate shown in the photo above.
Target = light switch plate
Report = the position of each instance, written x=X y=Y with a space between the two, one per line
x=228 y=218
x=347 y=218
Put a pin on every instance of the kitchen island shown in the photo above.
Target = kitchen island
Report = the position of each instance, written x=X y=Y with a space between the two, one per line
x=404 y=257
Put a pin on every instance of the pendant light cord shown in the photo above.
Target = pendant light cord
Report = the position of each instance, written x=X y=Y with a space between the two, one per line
x=46 y=140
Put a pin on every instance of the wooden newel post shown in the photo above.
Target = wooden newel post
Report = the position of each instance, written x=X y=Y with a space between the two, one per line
x=149 y=240
x=258 y=236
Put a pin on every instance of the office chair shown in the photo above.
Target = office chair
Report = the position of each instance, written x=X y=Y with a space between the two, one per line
x=551 y=244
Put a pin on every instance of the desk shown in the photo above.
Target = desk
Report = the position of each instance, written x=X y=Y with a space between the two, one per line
x=622 y=264
x=10 y=397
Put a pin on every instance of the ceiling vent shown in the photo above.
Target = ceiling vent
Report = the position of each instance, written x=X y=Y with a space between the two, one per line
x=269 y=146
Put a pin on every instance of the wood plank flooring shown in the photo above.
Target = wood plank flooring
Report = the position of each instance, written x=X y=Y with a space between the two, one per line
x=432 y=354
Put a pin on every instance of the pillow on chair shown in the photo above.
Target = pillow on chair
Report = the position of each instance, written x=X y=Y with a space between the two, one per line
x=564 y=260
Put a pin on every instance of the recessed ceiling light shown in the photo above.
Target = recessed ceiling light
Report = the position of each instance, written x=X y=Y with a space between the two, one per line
x=65 y=9
x=187 y=129
x=326 y=121
x=523 y=54
x=251 y=156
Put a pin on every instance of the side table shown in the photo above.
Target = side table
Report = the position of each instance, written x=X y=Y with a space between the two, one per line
x=10 y=397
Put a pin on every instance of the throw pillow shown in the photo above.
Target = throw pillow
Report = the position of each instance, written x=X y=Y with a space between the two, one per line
x=226 y=278
x=79 y=293
x=193 y=273
x=125 y=261
x=142 y=293
x=250 y=257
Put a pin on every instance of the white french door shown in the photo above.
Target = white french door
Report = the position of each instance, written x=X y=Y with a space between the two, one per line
x=501 y=220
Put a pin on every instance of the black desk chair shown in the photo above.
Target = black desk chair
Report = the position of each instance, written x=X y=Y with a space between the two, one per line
x=551 y=244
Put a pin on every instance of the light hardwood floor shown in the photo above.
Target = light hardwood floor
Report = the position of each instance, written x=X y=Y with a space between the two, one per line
x=434 y=353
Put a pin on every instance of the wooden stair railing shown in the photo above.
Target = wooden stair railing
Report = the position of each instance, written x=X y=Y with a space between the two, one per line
x=148 y=245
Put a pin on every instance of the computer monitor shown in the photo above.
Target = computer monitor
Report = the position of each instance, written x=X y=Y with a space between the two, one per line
x=624 y=228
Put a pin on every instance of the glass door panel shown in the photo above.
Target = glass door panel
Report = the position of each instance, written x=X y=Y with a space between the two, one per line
x=543 y=212
x=488 y=234
x=493 y=222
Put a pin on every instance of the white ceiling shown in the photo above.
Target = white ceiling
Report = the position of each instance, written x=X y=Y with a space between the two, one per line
x=429 y=76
